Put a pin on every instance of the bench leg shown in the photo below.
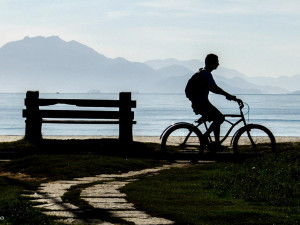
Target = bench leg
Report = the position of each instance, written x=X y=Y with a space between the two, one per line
x=33 y=130
x=125 y=129
x=125 y=133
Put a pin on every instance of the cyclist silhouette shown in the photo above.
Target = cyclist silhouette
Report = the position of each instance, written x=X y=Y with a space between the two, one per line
x=204 y=83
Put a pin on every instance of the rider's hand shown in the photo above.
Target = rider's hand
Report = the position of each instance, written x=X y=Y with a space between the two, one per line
x=240 y=102
x=231 y=98
x=234 y=98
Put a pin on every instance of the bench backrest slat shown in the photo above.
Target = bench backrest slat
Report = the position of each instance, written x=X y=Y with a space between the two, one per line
x=83 y=102
x=79 y=114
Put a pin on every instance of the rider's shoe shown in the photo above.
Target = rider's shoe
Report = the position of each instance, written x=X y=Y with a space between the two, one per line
x=194 y=160
x=223 y=148
x=203 y=143
x=204 y=140
x=215 y=147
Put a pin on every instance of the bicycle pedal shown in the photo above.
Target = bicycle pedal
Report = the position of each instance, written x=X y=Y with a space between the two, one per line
x=194 y=160
x=213 y=147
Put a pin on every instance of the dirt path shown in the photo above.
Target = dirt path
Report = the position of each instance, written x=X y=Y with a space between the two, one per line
x=104 y=196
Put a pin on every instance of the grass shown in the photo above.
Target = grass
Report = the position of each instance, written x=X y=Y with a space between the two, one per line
x=60 y=160
x=16 y=210
x=64 y=167
x=258 y=190
x=67 y=159
x=273 y=179
x=261 y=190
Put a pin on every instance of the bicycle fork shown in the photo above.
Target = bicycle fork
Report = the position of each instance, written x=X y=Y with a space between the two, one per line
x=251 y=139
x=248 y=133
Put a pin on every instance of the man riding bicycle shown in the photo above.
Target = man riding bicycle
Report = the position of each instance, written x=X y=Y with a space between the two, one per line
x=204 y=83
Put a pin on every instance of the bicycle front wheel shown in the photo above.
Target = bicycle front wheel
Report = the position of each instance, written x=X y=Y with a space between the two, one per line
x=181 y=141
x=254 y=138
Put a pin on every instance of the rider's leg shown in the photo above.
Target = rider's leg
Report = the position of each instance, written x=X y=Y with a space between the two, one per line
x=215 y=127
x=217 y=133
x=217 y=139
x=209 y=113
x=218 y=118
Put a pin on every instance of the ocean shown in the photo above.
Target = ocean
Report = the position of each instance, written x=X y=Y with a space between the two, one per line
x=154 y=112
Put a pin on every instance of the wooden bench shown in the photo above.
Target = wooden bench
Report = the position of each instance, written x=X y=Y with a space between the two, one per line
x=35 y=116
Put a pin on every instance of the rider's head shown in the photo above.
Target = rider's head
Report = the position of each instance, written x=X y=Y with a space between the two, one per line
x=211 y=62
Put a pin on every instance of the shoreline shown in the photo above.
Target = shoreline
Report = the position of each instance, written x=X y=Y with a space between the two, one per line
x=153 y=139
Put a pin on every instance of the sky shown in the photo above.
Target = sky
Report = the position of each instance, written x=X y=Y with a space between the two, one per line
x=255 y=37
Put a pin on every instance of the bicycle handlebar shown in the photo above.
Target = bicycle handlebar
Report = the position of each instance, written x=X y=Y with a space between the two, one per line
x=240 y=102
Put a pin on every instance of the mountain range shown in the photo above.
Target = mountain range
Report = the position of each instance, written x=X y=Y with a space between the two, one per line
x=50 y=64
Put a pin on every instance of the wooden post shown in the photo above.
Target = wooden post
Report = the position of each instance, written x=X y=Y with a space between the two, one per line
x=33 y=130
x=125 y=129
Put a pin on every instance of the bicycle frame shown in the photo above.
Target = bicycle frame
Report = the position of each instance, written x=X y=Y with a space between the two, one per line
x=193 y=130
x=233 y=125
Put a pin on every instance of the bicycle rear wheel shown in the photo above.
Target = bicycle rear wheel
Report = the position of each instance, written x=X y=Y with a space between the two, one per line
x=181 y=142
x=254 y=138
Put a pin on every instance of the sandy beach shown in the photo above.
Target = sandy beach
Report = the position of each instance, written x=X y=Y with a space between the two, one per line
x=11 y=138
x=153 y=139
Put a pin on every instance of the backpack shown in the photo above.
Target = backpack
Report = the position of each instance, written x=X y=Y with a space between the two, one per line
x=191 y=88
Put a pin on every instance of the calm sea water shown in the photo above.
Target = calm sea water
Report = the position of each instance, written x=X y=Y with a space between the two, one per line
x=154 y=112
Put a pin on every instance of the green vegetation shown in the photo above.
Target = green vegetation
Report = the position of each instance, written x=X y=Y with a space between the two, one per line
x=272 y=179
x=257 y=190
x=67 y=159
x=55 y=160
x=64 y=167
x=261 y=190
x=14 y=209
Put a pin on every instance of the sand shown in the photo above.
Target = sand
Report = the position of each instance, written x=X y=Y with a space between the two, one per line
x=153 y=139
x=11 y=138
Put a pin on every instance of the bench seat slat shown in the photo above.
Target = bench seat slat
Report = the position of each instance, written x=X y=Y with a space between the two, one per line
x=84 y=121
x=75 y=114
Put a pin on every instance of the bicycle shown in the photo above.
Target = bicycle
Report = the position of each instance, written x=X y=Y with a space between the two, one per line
x=183 y=137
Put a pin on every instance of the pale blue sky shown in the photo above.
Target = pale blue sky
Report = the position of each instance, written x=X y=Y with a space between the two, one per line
x=255 y=37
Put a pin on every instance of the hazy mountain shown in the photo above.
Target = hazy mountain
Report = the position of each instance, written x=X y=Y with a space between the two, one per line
x=230 y=79
x=249 y=87
x=51 y=64
x=54 y=65
x=177 y=85
x=174 y=70
x=157 y=64
x=193 y=65
x=295 y=93
x=290 y=83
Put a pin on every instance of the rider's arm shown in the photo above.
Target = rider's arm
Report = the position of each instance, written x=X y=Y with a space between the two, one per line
x=217 y=90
